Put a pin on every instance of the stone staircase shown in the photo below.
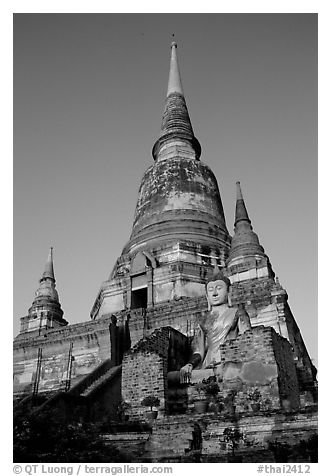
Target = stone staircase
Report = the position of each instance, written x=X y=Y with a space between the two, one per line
x=98 y=382
x=31 y=403
x=75 y=400
x=95 y=379
x=20 y=402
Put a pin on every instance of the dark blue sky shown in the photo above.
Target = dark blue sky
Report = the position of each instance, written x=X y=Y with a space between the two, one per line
x=89 y=92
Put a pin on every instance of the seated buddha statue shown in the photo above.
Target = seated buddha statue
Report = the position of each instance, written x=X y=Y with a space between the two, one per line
x=221 y=323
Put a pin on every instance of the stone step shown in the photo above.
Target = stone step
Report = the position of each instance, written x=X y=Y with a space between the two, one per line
x=171 y=445
x=182 y=436
x=156 y=455
x=172 y=429
x=172 y=449
x=165 y=452
x=175 y=427
x=173 y=434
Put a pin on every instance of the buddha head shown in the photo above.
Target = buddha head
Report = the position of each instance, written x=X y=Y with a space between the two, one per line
x=217 y=289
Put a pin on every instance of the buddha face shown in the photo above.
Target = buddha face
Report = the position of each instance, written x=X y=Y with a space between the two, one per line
x=217 y=293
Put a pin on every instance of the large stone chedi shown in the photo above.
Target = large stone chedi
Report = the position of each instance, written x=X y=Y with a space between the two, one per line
x=179 y=237
x=179 y=226
x=154 y=333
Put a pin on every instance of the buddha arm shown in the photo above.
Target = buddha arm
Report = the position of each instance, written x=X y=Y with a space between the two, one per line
x=244 y=322
x=230 y=324
x=195 y=359
x=198 y=347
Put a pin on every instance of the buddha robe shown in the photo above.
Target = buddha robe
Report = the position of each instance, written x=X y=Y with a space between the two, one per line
x=215 y=331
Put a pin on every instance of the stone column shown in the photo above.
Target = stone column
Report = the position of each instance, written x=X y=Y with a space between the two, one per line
x=150 y=297
x=114 y=341
x=128 y=293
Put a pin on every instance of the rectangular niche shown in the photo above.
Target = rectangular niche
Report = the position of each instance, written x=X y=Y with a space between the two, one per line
x=139 y=298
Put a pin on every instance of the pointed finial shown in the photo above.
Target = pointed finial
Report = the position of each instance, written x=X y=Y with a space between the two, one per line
x=241 y=212
x=239 y=193
x=174 y=83
x=173 y=43
x=49 y=269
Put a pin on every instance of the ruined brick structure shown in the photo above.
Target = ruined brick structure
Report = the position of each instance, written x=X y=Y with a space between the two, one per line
x=143 y=318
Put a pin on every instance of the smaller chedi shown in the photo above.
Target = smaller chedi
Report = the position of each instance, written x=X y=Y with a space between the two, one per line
x=45 y=311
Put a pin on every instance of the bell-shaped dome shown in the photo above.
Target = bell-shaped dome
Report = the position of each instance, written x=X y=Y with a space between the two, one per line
x=46 y=290
x=178 y=198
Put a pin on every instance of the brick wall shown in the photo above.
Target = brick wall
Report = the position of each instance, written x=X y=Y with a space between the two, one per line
x=287 y=379
x=257 y=431
x=261 y=359
x=146 y=365
x=143 y=374
x=254 y=290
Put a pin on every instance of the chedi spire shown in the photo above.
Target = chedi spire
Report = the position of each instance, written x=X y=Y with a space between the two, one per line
x=241 y=211
x=244 y=242
x=174 y=82
x=49 y=268
x=176 y=127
